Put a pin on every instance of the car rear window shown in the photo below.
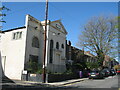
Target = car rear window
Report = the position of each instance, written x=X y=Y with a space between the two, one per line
x=95 y=71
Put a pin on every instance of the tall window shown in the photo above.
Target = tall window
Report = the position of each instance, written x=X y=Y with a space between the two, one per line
x=33 y=63
x=51 y=51
x=17 y=35
x=62 y=46
x=35 y=42
x=57 y=45
x=33 y=58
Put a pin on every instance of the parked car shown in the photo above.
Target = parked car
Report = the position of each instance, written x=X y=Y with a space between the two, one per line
x=85 y=74
x=96 y=74
x=112 y=72
x=106 y=72
x=118 y=71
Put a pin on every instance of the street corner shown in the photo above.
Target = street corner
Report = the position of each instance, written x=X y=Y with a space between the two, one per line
x=70 y=82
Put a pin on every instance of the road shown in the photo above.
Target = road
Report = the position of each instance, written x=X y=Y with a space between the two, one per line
x=109 y=82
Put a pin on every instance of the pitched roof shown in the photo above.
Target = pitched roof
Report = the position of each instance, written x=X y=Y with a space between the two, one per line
x=13 y=29
x=59 y=21
x=88 y=53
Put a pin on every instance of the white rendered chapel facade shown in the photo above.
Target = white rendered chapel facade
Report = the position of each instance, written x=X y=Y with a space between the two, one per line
x=21 y=44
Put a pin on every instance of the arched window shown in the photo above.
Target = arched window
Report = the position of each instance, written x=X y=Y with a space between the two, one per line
x=35 y=42
x=62 y=46
x=51 y=51
x=57 y=45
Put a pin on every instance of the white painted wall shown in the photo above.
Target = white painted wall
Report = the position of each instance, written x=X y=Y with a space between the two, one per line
x=14 y=51
x=58 y=64
x=17 y=52
x=31 y=32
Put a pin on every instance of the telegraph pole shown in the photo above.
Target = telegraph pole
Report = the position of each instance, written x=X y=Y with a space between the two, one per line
x=45 y=38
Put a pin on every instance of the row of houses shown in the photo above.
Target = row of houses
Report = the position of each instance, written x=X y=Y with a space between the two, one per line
x=78 y=55
x=73 y=53
x=19 y=46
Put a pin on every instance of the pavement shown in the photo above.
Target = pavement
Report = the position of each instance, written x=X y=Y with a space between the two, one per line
x=67 y=82
x=57 y=84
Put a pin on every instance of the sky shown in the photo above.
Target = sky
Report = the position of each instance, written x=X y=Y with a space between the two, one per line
x=60 y=0
x=73 y=15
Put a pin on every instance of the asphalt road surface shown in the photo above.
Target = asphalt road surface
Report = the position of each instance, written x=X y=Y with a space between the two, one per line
x=108 y=82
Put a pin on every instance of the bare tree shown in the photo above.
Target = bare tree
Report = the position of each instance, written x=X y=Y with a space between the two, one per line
x=1 y=15
x=100 y=36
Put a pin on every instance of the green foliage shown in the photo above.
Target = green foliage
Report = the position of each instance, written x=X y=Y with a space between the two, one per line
x=91 y=65
x=68 y=71
x=76 y=66
x=34 y=67
x=39 y=71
